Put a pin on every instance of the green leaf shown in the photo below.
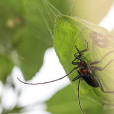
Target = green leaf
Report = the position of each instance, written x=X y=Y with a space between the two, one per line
x=5 y=67
x=26 y=32
x=71 y=31
x=66 y=102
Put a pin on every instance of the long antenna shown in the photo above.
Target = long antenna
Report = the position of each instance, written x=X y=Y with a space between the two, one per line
x=79 y=98
x=48 y=81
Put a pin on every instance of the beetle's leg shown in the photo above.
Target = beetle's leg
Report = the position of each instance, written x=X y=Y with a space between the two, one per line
x=77 y=57
x=77 y=77
x=96 y=62
x=100 y=85
x=82 y=50
x=86 y=47
x=76 y=63
x=79 y=52
x=100 y=69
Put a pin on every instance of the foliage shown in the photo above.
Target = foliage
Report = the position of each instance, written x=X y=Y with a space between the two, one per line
x=66 y=102
x=24 y=36
x=27 y=30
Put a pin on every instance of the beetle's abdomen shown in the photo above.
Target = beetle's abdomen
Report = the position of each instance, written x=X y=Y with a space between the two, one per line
x=90 y=81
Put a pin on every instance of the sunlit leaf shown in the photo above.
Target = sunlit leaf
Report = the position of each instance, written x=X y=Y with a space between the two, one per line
x=71 y=31
x=91 y=10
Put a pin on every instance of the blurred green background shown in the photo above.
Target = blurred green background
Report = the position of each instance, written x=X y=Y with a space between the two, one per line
x=27 y=31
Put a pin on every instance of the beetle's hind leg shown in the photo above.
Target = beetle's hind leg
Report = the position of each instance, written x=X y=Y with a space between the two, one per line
x=100 y=69
x=96 y=62
x=101 y=87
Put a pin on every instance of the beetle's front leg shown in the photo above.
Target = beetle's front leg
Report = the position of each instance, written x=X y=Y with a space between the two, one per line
x=75 y=63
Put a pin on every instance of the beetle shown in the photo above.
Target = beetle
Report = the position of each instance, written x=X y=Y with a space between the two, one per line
x=85 y=72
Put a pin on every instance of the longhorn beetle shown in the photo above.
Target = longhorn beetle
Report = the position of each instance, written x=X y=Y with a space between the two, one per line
x=85 y=72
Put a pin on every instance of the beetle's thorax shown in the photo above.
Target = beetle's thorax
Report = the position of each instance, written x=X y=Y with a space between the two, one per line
x=83 y=69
